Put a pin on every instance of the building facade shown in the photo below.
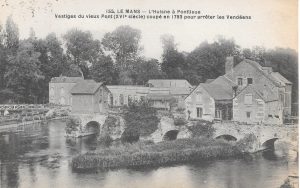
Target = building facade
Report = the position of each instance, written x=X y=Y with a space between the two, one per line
x=59 y=89
x=89 y=97
x=161 y=94
x=212 y=101
x=246 y=93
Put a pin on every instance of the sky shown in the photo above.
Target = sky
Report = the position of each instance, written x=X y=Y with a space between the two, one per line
x=273 y=23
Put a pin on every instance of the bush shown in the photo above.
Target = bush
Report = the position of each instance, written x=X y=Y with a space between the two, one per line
x=180 y=121
x=140 y=120
x=202 y=128
x=163 y=153
x=72 y=124
x=105 y=140
x=130 y=135
x=246 y=144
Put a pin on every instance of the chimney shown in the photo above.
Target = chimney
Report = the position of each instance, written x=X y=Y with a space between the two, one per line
x=229 y=64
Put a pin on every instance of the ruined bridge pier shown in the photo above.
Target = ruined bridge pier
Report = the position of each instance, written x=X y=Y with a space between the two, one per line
x=265 y=135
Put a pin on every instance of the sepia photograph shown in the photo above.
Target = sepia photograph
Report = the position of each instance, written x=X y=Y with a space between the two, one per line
x=149 y=94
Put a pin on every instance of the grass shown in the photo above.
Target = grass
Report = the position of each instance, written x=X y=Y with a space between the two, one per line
x=164 y=153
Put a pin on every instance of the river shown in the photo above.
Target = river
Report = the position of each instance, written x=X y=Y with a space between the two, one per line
x=39 y=157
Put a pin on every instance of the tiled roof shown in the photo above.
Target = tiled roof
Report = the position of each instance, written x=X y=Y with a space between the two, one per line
x=280 y=78
x=218 y=92
x=64 y=79
x=86 y=87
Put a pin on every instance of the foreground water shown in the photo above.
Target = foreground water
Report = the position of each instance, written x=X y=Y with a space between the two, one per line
x=40 y=156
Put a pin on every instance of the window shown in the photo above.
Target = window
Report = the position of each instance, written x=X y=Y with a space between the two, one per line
x=111 y=100
x=129 y=99
x=52 y=91
x=281 y=96
x=248 y=114
x=218 y=114
x=62 y=91
x=62 y=101
x=249 y=81
x=240 y=81
x=199 y=112
x=121 y=99
x=248 y=99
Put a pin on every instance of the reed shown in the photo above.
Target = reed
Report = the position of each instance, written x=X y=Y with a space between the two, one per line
x=164 y=153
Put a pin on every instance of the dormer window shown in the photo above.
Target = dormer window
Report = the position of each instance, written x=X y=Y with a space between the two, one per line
x=249 y=81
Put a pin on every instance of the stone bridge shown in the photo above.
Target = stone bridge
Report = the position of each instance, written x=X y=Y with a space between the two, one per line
x=88 y=124
x=266 y=135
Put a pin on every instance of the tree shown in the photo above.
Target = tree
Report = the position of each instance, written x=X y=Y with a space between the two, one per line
x=208 y=60
x=82 y=49
x=173 y=62
x=52 y=61
x=103 y=70
x=23 y=73
x=3 y=58
x=284 y=61
x=124 y=44
x=12 y=35
x=146 y=70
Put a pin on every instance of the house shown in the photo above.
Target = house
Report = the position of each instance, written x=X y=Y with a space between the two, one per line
x=247 y=93
x=211 y=101
x=89 y=97
x=59 y=89
x=177 y=90
x=123 y=94
x=272 y=86
x=159 y=93
x=254 y=105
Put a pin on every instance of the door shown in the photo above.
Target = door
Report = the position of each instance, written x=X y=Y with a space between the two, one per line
x=199 y=112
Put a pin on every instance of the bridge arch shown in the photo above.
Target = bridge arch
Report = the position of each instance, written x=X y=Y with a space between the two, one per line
x=93 y=126
x=171 y=135
x=226 y=137
x=269 y=144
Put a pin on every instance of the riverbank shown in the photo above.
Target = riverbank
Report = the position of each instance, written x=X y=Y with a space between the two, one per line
x=163 y=153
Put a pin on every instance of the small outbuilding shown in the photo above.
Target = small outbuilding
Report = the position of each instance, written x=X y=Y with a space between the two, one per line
x=89 y=97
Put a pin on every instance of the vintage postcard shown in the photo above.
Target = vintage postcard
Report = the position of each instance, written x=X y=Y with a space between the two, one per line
x=149 y=93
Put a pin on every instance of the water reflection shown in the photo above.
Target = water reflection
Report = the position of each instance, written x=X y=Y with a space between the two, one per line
x=39 y=157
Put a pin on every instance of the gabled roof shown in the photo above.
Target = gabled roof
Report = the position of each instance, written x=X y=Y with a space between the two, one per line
x=86 y=87
x=219 y=89
x=258 y=67
x=64 y=79
x=218 y=92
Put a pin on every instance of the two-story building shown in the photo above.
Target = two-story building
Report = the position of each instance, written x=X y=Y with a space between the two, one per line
x=273 y=88
x=89 y=97
x=247 y=93
x=210 y=101
x=59 y=89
